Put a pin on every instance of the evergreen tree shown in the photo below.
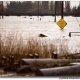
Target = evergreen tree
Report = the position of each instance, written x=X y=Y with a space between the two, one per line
x=74 y=9
x=18 y=6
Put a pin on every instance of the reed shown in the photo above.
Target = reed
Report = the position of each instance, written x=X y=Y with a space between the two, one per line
x=16 y=46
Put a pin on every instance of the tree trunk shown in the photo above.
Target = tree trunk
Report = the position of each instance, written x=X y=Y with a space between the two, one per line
x=60 y=71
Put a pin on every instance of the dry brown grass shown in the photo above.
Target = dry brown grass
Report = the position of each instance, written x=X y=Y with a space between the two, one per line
x=14 y=45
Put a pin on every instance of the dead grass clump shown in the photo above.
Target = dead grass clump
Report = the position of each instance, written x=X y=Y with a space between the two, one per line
x=15 y=45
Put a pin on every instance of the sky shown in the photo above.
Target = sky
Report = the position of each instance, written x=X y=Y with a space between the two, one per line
x=73 y=3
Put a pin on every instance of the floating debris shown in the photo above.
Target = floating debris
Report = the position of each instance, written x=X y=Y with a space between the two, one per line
x=42 y=35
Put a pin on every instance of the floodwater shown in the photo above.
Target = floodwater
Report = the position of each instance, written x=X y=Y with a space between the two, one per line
x=32 y=26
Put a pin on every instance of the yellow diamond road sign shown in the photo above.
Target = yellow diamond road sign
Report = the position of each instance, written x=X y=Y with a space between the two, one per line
x=61 y=23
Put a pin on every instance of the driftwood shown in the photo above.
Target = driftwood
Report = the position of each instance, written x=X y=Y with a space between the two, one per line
x=60 y=71
x=44 y=67
x=41 y=61
x=37 y=65
x=45 y=61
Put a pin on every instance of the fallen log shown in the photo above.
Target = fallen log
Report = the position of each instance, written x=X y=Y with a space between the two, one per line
x=45 y=61
x=41 y=61
x=60 y=71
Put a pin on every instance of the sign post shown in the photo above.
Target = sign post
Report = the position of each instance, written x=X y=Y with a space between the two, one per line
x=55 y=12
x=62 y=9
x=61 y=23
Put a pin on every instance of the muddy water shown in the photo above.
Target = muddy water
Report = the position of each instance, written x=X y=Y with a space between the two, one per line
x=14 y=74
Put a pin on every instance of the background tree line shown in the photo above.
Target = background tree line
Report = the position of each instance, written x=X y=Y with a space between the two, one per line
x=18 y=6
x=76 y=9
x=26 y=7
x=23 y=7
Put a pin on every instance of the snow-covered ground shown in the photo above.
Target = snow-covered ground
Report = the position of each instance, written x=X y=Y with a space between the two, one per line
x=32 y=26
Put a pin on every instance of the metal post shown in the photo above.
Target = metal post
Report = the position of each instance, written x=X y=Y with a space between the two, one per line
x=62 y=10
x=55 y=12
x=2 y=10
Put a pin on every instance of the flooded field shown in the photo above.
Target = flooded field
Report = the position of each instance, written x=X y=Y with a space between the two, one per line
x=20 y=35
x=24 y=28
